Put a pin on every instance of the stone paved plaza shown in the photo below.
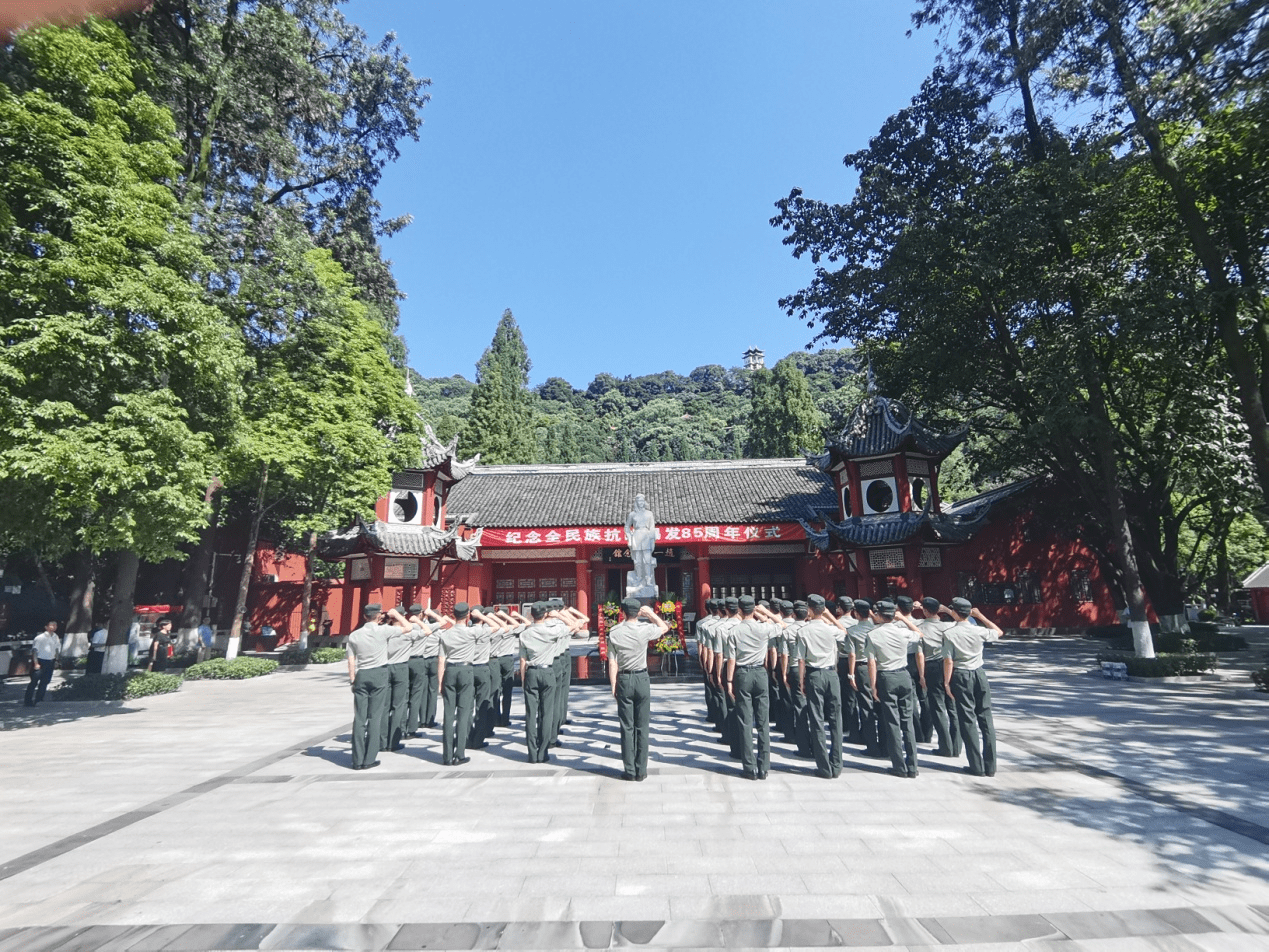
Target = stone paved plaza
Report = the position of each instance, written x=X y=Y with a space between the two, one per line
x=1124 y=816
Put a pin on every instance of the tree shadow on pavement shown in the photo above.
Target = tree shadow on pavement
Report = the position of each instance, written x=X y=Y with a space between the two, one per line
x=14 y=715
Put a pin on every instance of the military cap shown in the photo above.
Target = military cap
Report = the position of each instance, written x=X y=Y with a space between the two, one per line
x=815 y=602
x=884 y=605
x=538 y=609
x=416 y=608
x=962 y=606
x=461 y=609
x=731 y=602
x=745 y=603
x=764 y=603
x=903 y=603
x=863 y=606
x=930 y=604
x=631 y=605
x=786 y=605
x=372 y=610
x=797 y=604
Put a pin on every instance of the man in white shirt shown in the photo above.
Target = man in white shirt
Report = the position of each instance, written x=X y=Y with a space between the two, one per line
x=44 y=651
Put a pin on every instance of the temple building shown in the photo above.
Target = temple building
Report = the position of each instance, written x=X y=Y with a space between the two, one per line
x=863 y=519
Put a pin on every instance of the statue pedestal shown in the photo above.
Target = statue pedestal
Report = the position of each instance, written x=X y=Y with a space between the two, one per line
x=635 y=588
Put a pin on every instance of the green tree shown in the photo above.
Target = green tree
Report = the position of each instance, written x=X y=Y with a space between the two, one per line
x=501 y=426
x=783 y=418
x=119 y=379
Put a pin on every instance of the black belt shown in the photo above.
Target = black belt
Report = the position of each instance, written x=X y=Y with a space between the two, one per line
x=458 y=664
x=743 y=666
x=815 y=667
x=633 y=671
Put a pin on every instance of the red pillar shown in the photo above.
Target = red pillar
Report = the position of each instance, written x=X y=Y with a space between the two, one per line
x=704 y=589
x=582 y=575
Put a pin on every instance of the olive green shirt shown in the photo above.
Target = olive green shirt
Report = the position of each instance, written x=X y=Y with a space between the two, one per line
x=932 y=637
x=858 y=633
x=628 y=644
x=458 y=644
x=963 y=643
x=401 y=644
x=722 y=632
x=749 y=640
x=425 y=643
x=483 y=636
x=888 y=645
x=792 y=647
x=817 y=643
x=506 y=644
x=368 y=645
x=539 y=642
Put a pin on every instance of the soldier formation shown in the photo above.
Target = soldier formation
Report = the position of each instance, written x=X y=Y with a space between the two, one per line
x=872 y=674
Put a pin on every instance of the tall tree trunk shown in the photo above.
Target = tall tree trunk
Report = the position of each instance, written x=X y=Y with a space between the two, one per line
x=116 y=661
x=196 y=580
x=248 y=563
x=83 y=588
x=306 y=600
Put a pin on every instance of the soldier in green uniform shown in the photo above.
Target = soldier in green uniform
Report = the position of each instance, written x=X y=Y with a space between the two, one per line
x=538 y=649
x=863 y=724
x=422 y=668
x=967 y=683
x=506 y=652
x=368 y=677
x=891 y=685
x=903 y=606
x=731 y=617
x=458 y=647
x=818 y=681
x=482 y=717
x=801 y=715
x=781 y=709
x=705 y=658
x=628 y=675
x=750 y=653
x=400 y=647
x=940 y=710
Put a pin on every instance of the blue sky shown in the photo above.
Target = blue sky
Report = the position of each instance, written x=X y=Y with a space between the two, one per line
x=607 y=170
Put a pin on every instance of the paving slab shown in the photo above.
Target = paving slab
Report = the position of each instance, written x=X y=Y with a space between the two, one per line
x=1123 y=816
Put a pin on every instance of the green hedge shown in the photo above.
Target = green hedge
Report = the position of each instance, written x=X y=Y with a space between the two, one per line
x=1261 y=679
x=118 y=687
x=313 y=655
x=1202 y=638
x=1162 y=666
x=220 y=669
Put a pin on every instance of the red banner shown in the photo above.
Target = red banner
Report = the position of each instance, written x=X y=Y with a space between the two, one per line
x=666 y=535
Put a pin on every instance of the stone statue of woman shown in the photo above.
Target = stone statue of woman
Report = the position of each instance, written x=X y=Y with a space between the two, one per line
x=641 y=537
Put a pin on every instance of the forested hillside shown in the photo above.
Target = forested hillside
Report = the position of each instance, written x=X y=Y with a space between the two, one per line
x=704 y=414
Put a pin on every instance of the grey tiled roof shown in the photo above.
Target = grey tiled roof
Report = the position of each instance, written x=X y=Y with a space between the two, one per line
x=601 y=494
x=381 y=537
x=880 y=426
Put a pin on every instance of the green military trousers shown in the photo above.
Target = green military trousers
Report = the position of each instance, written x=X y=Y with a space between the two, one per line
x=482 y=704
x=896 y=712
x=941 y=711
x=752 y=713
x=634 y=706
x=563 y=682
x=370 y=710
x=539 y=702
x=398 y=698
x=973 y=712
x=422 y=701
x=824 y=701
x=507 y=665
x=866 y=715
x=459 y=691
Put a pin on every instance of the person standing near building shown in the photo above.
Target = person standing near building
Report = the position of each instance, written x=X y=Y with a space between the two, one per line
x=939 y=709
x=749 y=656
x=160 y=645
x=903 y=605
x=628 y=677
x=819 y=684
x=862 y=720
x=506 y=653
x=401 y=647
x=538 y=645
x=97 y=649
x=967 y=683
x=891 y=685
x=800 y=716
x=722 y=631
x=368 y=677
x=422 y=670
x=482 y=676
x=454 y=670
x=781 y=704
x=705 y=659
x=44 y=651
